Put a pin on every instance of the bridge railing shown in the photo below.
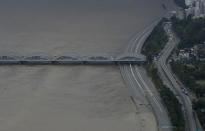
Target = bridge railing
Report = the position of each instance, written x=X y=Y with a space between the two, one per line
x=43 y=59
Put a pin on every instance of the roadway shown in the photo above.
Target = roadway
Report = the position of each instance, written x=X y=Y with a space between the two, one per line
x=141 y=86
x=171 y=81
x=64 y=60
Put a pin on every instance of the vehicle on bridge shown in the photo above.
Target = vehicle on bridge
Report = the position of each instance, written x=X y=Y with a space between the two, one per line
x=63 y=60
x=35 y=60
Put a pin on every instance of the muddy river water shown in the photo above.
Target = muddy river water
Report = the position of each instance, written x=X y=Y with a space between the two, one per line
x=71 y=98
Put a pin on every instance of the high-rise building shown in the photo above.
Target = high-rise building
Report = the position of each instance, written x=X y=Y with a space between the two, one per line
x=189 y=11
x=203 y=4
x=188 y=2
x=197 y=11
x=195 y=8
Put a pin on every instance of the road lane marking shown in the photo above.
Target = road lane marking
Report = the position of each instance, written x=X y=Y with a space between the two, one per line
x=147 y=88
x=131 y=83
x=142 y=37
x=155 y=100
x=136 y=79
x=143 y=82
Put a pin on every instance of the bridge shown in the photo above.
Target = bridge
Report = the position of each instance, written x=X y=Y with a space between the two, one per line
x=40 y=59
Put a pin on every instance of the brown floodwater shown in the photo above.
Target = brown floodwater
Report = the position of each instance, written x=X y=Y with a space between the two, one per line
x=70 y=98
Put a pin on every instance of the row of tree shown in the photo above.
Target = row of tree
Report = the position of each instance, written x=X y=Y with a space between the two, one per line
x=190 y=31
x=155 y=42
x=152 y=47
x=199 y=107
x=174 y=108
x=189 y=75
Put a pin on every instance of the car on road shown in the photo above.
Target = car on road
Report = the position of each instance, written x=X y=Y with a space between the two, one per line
x=184 y=91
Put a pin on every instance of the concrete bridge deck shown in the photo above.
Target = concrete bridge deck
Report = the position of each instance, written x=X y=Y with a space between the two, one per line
x=71 y=59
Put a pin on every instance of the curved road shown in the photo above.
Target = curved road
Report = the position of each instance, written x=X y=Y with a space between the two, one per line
x=166 y=73
x=140 y=85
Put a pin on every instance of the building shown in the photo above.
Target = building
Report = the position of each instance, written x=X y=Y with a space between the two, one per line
x=180 y=14
x=196 y=8
x=184 y=55
x=189 y=11
x=200 y=49
x=188 y=2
